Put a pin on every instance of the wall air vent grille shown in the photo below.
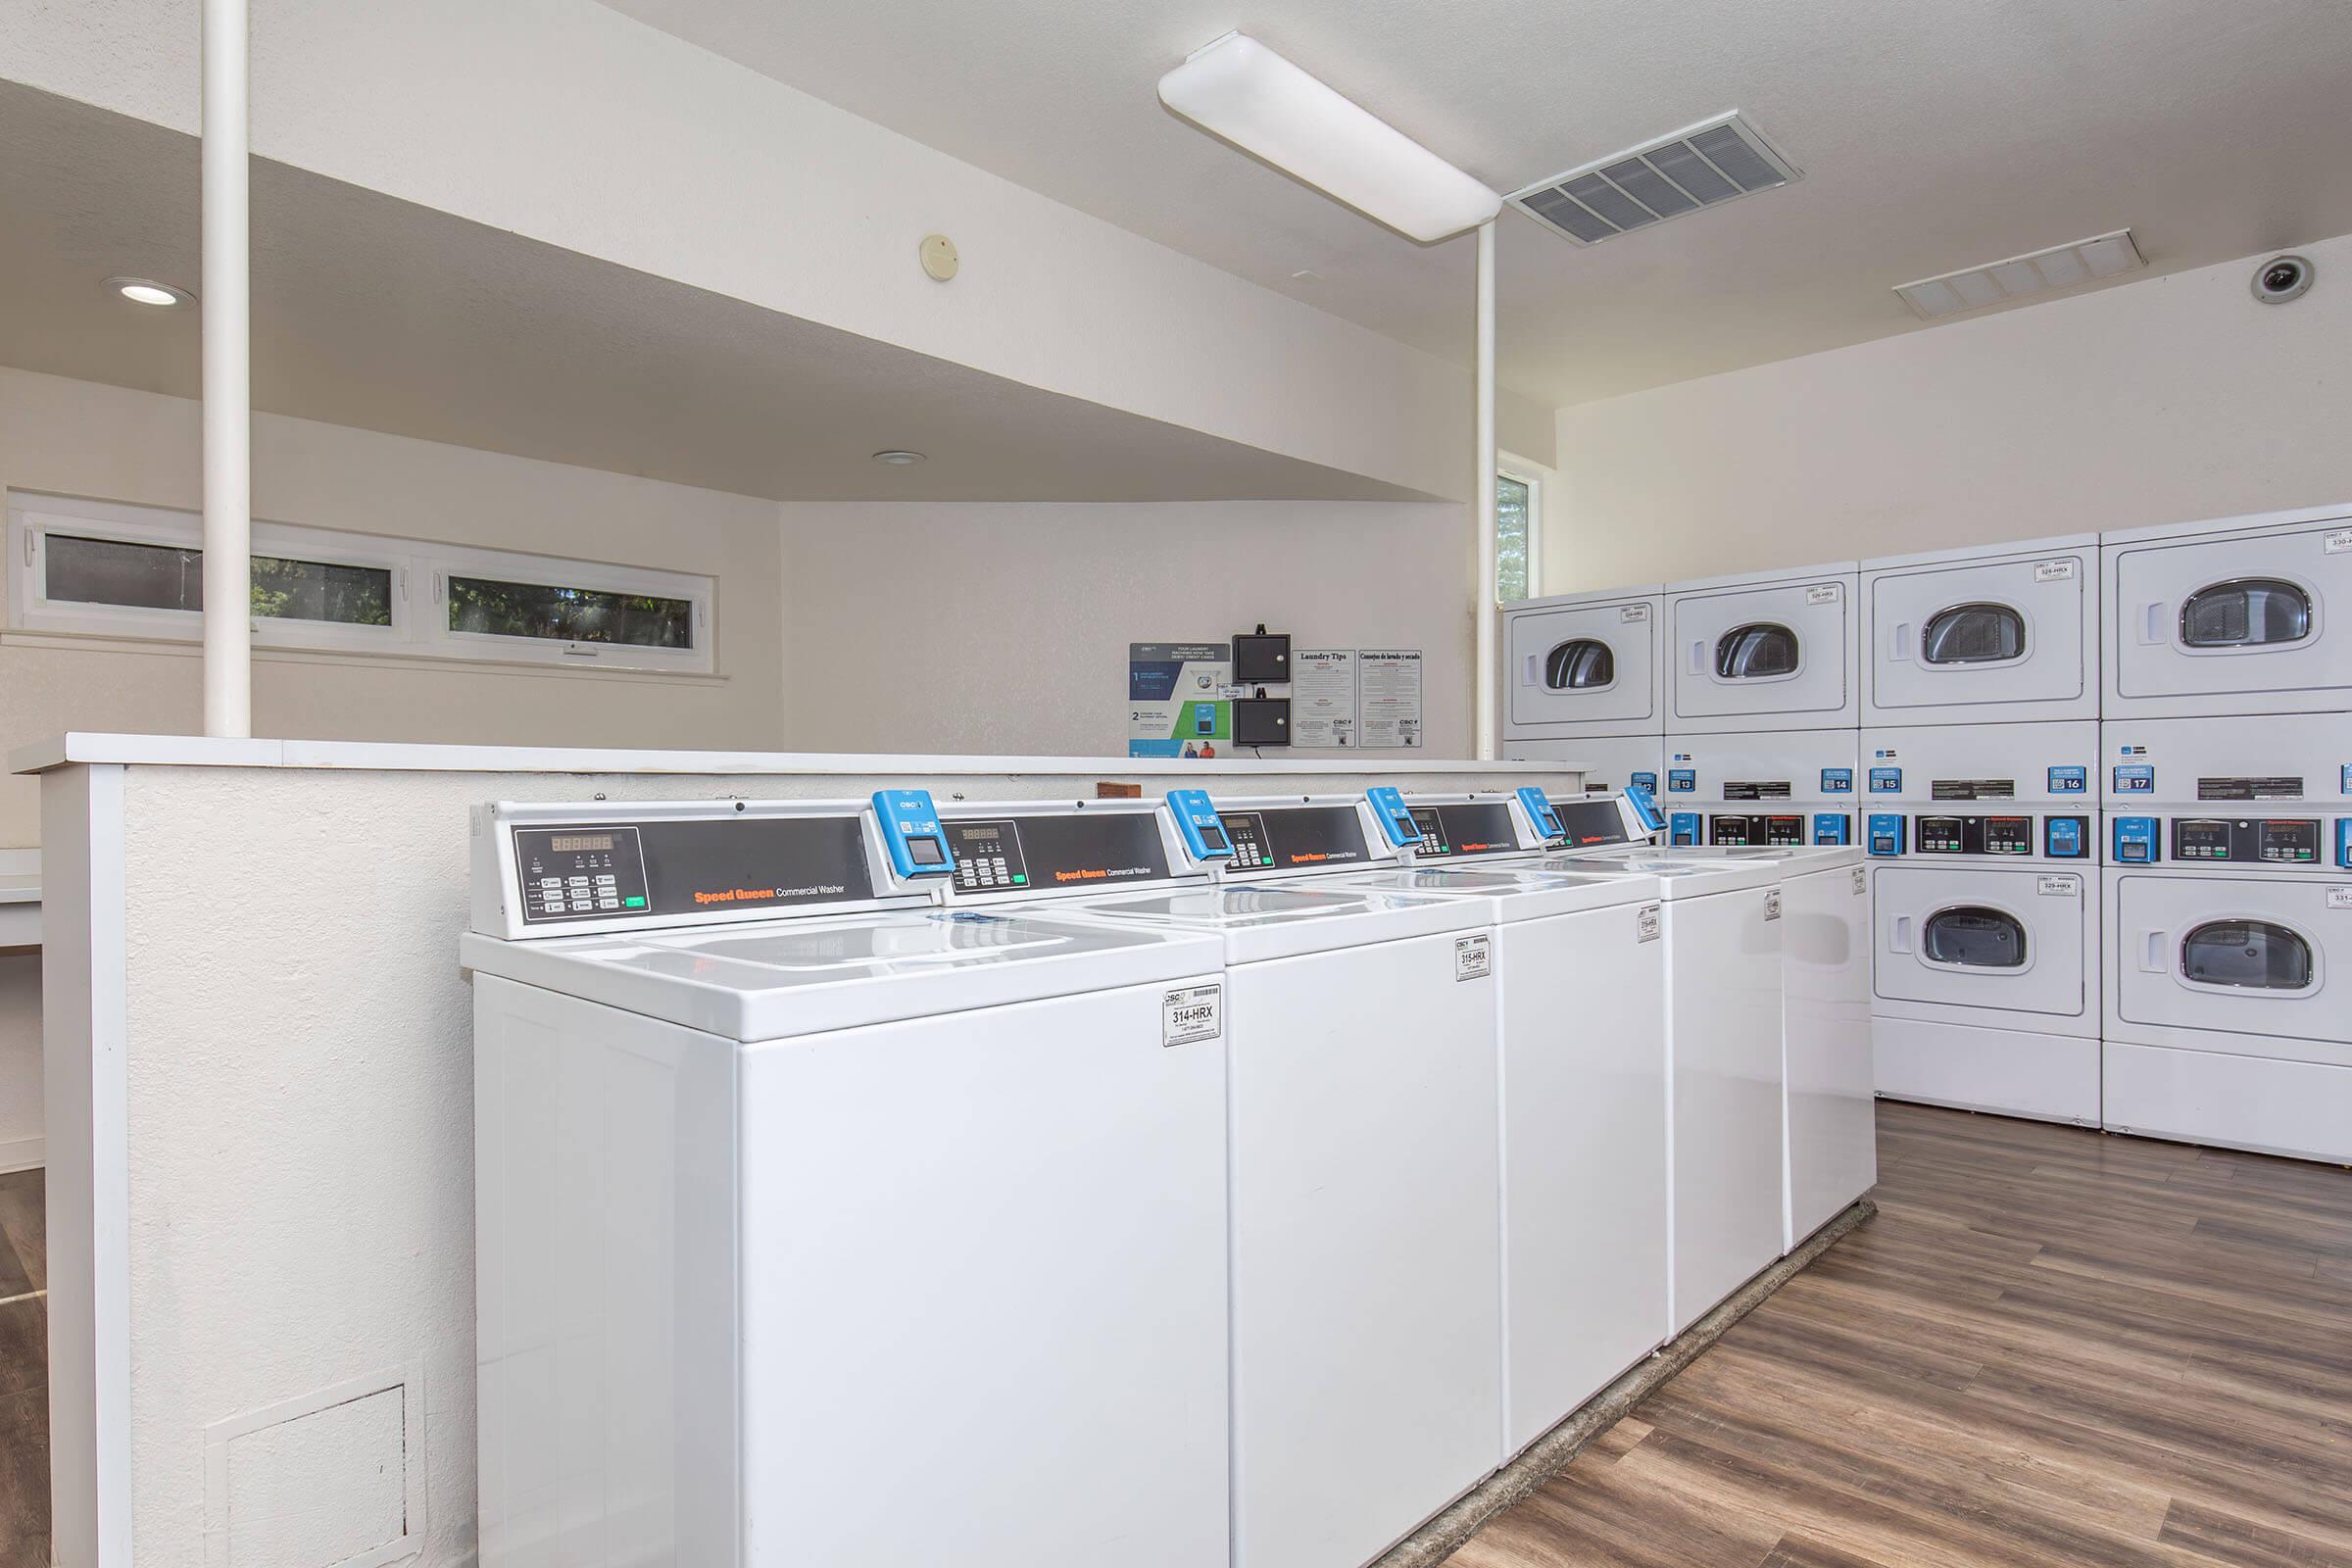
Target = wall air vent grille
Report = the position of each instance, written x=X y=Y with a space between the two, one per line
x=1706 y=165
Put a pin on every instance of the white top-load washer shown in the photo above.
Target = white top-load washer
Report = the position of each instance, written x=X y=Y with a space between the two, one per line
x=793 y=1183
x=1999 y=634
x=2245 y=616
x=1583 y=664
x=1777 y=650
x=2228 y=892
x=1582 y=1037
x=1721 y=924
x=1364 y=1151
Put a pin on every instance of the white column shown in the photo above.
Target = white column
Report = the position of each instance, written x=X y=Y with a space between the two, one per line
x=227 y=377
x=1482 y=479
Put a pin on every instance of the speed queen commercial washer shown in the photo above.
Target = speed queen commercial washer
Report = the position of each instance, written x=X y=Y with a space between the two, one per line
x=793 y=1184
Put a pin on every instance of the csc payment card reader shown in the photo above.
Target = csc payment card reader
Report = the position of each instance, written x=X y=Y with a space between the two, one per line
x=1198 y=826
x=911 y=834
x=1645 y=807
x=1396 y=818
x=1539 y=814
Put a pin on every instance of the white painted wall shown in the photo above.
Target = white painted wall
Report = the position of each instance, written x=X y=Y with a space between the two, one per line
x=2167 y=399
x=79 y=438
x=571 y=124
x=1007 y=631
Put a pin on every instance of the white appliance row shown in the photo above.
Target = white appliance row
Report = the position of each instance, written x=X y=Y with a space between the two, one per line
x=2230 y=616
x=1057 y=1183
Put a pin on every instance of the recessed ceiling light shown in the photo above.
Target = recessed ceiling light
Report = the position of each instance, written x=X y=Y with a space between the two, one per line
x=147 y=291
x=899 y=459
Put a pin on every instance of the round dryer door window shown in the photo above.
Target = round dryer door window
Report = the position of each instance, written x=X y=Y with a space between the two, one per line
x=1582 y=665
x=2245 y=613
x=1970 y=936
x=2246 y=956
x=1972 y=634
x=1761 y=650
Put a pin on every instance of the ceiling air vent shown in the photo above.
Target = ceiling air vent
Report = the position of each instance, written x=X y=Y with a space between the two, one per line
x=1972 y=288
x=1706 y=165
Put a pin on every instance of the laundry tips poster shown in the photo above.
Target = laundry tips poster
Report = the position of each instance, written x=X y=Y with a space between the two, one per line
x=1179 y=698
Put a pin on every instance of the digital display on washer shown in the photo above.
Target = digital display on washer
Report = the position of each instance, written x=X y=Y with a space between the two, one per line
x=666 y=867
x=1288 y=837
x=1073 y=849
x=1588 y=823
x=1476 y=827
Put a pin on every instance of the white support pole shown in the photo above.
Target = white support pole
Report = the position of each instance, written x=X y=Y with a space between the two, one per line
x=227 y=377
x=1482 y=479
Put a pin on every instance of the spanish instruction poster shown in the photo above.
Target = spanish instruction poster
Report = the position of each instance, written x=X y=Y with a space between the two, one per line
x=1323 y=697
x=1388 y=705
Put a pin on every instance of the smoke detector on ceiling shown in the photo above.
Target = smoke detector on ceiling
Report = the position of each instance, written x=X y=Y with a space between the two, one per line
x=1702 y=166
x=1973 y=288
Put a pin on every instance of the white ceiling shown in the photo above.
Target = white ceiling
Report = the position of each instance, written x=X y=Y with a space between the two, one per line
x=376 y=312
x=1933 y=136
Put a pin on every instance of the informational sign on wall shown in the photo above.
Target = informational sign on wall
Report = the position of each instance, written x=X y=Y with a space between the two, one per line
x=1387 y=704
x=1178 y=699
x=1323 y=697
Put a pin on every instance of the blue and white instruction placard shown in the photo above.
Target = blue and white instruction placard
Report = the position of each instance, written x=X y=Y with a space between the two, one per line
x=1387 y=701
x=1179 y=698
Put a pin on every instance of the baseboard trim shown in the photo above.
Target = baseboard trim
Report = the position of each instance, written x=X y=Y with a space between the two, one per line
x=23 y=1153
x=1550 y=1454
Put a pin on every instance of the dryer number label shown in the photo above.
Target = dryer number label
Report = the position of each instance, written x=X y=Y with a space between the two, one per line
x=1822 y=594
x=1192 y=1013
x=1633 y=613
x=2339 y=541
x=1771 y=905
x=1473 y=957
x=2339 y=897
x=2058 y=887
x=1649 y=922
x=2053 y=570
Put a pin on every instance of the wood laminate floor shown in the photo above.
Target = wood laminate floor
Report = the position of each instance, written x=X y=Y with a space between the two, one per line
x=2049 y=1348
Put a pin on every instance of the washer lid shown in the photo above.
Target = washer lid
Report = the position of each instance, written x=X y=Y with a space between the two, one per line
x=1524 y=893
x=1677 y=878
x=1284 y=920
x=776 y=979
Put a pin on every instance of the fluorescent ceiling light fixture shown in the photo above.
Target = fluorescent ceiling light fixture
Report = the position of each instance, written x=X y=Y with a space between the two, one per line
x=147 y=291
x=1243 y=91
x=898 y=458
x=1973 y=288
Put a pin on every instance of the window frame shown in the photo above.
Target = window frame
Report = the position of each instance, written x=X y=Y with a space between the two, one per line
x=1534 y=477
x=421 y=570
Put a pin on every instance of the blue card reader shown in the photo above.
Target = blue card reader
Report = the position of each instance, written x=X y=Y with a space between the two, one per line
x=1539 y=813
x=1197 y=824
x=1645 y=807
x=1395 y=817
x=912 y=833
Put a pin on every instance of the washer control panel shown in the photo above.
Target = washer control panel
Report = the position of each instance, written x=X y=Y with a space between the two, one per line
x=1296 y=838
x=572 y=874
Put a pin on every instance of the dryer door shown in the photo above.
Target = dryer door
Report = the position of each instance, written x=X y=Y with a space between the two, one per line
x=2014 y=635
x=2007 y=940
x=1747 y=657
x=2243 y=955
x=1588 y=668
x=2245 y=619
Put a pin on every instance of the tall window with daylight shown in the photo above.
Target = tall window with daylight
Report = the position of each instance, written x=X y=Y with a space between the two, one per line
x=1515 y=501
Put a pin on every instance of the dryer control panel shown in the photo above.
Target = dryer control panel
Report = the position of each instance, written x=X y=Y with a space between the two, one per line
x=2266 y=841
x=2025 y=835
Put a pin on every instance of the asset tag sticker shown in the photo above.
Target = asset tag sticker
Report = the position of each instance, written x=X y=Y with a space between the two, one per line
x=1192 y=1013
x=1649 y=921
x=1633 y=613
x=2339 y=897
x=1861 y=880
x=1473 y=957
x=1822 y=594
x=2058 y=887
x=2053 y=571
x=1771 y=905
x=2339 y=541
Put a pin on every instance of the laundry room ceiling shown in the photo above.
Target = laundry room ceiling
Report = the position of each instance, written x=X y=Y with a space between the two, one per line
x=1929 y=136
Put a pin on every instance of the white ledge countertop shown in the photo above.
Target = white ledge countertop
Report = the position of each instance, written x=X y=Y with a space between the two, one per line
x=196 y=751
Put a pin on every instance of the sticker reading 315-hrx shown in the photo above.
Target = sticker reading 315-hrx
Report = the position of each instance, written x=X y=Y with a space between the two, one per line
x=1190 y=1014
x=1473 y=957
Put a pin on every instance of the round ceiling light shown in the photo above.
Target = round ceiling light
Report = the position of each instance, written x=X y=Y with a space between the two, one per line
x=899 y=459
x=147 y=291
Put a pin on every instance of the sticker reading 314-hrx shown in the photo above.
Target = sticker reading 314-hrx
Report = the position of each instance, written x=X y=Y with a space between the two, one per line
x=1190 y=1014
x=1473 y=957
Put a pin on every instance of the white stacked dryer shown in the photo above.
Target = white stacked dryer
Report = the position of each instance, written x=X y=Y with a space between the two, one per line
x=2229 y=912
x=1584 y=682
x=1987 y=636
x=1768 y=651
x=1982 y=841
